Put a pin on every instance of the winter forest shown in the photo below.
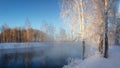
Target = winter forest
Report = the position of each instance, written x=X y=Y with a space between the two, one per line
x=60 y=34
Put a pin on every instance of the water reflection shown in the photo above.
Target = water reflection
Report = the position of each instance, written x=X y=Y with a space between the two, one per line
x=13 y=60
x=29 y=59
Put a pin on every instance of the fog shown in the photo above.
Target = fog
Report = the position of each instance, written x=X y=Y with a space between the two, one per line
x=48 y=54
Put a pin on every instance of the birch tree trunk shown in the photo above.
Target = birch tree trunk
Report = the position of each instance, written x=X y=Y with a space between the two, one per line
x=101 y=44
x=106 y=35
x=82 y=30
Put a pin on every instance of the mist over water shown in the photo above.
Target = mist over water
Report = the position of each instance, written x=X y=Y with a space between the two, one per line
x=49 y=55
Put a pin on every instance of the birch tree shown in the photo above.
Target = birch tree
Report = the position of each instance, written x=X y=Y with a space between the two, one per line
x=72 y=12
x=94 y=26
x=107 y=5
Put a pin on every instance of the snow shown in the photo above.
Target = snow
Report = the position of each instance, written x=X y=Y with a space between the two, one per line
x=97 y=60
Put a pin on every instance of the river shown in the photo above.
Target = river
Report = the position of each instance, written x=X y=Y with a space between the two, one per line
x=51 y=56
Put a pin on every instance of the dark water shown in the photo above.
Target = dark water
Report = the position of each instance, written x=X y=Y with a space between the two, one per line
x=36 y=57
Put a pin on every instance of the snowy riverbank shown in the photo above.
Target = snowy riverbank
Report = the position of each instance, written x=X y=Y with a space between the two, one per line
x=97 y=61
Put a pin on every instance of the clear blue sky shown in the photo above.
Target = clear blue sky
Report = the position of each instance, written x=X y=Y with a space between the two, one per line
x=15 y=12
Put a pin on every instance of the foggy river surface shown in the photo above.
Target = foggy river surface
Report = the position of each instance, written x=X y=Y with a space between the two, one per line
x=46 y=56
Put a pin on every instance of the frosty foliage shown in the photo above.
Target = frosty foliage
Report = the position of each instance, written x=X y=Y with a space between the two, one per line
x=94 y=19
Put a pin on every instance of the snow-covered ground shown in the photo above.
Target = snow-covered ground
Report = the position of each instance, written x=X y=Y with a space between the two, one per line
x=97 y=61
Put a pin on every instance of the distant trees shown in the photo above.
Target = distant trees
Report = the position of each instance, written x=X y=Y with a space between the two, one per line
x=39 y=35
x=4 y=26
x=63 y=34
x=51 y=32
x=20 y=35
x=27 y=34
x=28 y=29
x=49 y=29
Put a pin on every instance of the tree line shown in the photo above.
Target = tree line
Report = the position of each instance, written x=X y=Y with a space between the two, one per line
x=21 y=35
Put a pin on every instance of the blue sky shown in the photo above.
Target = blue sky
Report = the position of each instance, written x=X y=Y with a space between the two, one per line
x=15 y=12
